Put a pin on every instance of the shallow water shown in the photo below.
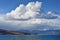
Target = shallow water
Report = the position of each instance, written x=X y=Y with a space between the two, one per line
x=29 y=37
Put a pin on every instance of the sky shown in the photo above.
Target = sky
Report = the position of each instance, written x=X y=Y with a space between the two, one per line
x=29 y=15
x=48 y=5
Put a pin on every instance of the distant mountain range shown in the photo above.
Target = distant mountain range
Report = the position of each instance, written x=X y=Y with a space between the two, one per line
x=46 y=32
x=27 y=32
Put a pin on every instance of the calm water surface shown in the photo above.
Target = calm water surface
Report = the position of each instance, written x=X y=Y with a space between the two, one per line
x=29 y=37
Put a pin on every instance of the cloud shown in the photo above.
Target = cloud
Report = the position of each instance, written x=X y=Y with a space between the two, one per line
x=25 y=11
x=29 y=17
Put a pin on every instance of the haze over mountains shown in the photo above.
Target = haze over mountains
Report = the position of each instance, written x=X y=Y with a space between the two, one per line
x=27 y=32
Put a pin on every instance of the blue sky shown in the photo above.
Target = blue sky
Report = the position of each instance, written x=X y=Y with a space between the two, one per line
x=48 y=5
x=29 y=15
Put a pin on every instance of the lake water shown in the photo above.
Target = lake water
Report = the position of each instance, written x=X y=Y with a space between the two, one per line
x=29 y=37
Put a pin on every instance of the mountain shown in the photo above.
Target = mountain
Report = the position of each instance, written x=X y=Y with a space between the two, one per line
x=28 y=32
x=46 y=32
x=5 y=32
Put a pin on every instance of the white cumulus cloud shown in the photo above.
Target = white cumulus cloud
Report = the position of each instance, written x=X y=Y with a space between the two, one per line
x=29 y=17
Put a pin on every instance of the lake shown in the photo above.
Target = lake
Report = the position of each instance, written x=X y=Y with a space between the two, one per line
x=29 y=37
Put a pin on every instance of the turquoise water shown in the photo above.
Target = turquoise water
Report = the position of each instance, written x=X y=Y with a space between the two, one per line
x=29 y=37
